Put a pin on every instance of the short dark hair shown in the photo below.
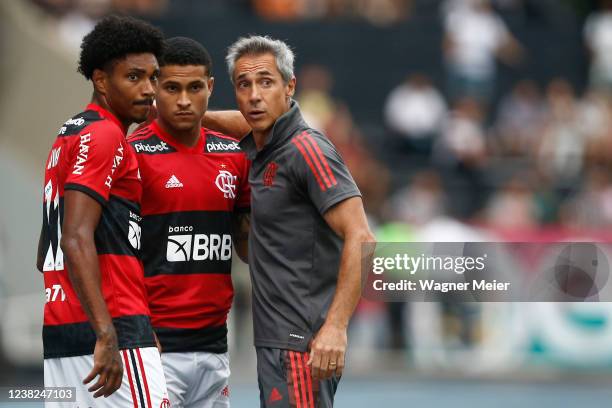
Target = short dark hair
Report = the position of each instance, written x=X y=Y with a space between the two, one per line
x=114 y=37
x=185 y=51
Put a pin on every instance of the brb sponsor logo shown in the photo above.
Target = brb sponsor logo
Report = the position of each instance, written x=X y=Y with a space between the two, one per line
x=160 y=147
x=197 y=247
x=134 y=230
x=222 y=147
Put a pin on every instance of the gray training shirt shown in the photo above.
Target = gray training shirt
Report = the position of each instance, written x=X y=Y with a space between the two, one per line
x=294 y=255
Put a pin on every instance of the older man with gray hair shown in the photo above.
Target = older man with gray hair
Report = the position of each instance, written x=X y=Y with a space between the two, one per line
x=307 y=229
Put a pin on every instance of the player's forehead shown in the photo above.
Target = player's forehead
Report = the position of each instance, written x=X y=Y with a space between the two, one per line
x=253 y=65
x=183 y=73
x=145 y=62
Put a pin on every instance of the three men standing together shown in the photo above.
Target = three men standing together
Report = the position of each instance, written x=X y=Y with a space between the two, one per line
x=305 y=231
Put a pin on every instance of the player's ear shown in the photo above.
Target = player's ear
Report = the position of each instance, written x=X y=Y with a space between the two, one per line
x=99 y=81
x=290 y=87
x=211 y=85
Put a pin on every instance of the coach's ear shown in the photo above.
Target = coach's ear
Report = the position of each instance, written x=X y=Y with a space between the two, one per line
x=99 y=81
x=290 y=87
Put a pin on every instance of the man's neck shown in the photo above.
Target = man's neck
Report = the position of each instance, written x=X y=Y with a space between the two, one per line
x=101 y=101
x=189 y=137
x=260 y=138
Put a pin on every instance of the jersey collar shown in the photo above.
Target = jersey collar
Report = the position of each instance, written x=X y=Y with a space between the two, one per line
x=168 y=138
x=106 y=115
x=282 y=131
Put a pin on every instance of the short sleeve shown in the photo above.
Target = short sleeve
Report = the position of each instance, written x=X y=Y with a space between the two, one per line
x=243 y=202
x=320 y=169
x=96 y=156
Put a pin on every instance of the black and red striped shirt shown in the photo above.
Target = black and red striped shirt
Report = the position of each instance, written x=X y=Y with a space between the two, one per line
x=91 y=155
x=294 y=256
x=190 y=195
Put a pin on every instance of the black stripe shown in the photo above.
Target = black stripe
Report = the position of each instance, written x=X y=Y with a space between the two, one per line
x=84 y=189
x=78 y=339
x=242 y=210
x=208 y=339
x=136 y=375
x=155 y=242
x=112 y=232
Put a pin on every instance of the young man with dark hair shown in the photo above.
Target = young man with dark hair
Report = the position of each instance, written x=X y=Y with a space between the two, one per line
x=308 y=227
x=196 y=200
x=97 y=328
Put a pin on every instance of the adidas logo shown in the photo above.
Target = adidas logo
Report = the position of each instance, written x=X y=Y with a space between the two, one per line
x=173 y=182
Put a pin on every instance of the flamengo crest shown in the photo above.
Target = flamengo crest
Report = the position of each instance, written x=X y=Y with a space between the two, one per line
x=226 y=182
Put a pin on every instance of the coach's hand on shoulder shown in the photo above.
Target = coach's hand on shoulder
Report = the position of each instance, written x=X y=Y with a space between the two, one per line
x=107 y=366
x=327 y=352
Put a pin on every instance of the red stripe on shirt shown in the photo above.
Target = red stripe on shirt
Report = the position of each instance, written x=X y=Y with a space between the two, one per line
x=316 y=160
x=297 y=143
x=322 y=157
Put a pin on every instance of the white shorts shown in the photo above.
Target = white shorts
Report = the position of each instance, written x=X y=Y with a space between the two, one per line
x=197 y=379
x=143 y=386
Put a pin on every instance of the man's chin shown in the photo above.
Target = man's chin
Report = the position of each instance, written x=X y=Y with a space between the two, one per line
x=184 y=126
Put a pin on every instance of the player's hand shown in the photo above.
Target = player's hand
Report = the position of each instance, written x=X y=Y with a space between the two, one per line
x=107 y=366
x=327 y=352
x=157 y=343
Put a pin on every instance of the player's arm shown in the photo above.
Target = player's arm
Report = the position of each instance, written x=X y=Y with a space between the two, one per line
x=81 y=216
x=348 y=220
x=241 y=224
x=231 y=123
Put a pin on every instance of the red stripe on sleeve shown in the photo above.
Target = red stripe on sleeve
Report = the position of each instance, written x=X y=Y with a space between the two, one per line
x=129 y=375
x=144 y=378
x=322 y=157
x=316 y=160
x=301 y=149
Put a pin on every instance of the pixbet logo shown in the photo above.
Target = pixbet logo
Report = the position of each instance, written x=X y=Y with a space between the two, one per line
x=224 y=147
x=160 y=147
x=197 y=247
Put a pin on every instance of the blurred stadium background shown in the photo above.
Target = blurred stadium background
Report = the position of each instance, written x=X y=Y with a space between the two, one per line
x=460 y=120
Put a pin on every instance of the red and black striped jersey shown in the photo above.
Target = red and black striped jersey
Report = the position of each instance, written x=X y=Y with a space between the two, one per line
x=91 y=155
x=190 y=195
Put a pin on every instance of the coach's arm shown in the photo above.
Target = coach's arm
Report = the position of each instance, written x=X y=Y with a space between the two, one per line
x=81 y=216
x=229 y=122
x=349 y=221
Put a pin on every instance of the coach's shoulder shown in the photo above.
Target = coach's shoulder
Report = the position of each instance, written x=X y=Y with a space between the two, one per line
x=309 y=139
